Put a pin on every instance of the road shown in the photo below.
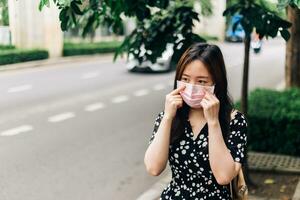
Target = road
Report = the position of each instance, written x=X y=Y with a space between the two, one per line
x=79 y=130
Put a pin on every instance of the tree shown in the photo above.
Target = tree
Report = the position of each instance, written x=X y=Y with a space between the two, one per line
x=254 y=15
x=158 y=22
x=292 y=61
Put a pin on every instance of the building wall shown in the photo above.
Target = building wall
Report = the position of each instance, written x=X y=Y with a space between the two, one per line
x=212 y=25
x=31 y=28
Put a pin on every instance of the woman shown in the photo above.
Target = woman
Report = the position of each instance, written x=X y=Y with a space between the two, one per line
x=199 y=132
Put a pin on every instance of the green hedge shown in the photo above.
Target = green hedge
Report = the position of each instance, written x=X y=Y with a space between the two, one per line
x=274 y=121
x=16 y=55
x=5 y=47
x=73 y=49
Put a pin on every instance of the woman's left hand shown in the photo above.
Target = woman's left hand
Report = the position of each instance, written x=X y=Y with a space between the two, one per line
x=211 y=106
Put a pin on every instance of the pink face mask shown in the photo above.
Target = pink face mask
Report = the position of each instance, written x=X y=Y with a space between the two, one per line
x=193 y=94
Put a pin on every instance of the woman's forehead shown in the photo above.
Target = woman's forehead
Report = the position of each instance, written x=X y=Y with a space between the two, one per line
x=196 y=69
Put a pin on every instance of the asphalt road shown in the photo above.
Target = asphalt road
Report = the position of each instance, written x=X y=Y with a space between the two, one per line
x=80 y=130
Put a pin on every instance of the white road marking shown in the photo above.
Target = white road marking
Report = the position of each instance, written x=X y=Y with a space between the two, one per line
x=159 y=86
x=19 y=88
x=90 y=75
x=120 y=99
x=18 y=130
x=61 y=117
x=94 y=107
x=141 y=92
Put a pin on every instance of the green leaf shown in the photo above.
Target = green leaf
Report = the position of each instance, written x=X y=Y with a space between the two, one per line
x=232 y=9
x=63 y=15
x=76 y=9
x=73 y=17
x=89 y=25
x=142 y=13
x=285 y=34
x=43 y=3
x=206 y=7
x=284 y=3
x=64 y=25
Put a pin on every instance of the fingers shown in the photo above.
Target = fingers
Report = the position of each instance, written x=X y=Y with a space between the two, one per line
x=210 y=96
x=204 y=103
x=178 y=103
x=209 y=100
x=176 y=91
x=176 y=97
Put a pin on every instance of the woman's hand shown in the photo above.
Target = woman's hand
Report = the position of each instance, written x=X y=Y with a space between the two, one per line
x=173 y=102
x=211 y=106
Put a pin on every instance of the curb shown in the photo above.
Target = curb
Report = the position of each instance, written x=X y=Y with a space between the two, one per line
x=297 y=192
x=56 y=61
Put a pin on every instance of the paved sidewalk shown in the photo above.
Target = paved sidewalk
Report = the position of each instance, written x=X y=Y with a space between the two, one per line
x=56 y=61
x=257 y=161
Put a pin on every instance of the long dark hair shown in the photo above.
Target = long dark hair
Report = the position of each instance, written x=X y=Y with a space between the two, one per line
x=211 y=56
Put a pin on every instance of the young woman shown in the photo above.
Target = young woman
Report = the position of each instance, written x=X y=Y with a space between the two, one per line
x=199 y=132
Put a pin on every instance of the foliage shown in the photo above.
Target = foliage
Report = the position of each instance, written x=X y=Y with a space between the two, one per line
x=259 y=17
x=10 y=56
x=72 y=49
x=274 y=121
x=284 y=3
x=158 y=22
x=4 y=47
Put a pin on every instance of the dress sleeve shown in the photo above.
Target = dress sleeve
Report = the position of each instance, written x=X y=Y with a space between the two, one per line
x=156 y=125
x=237 y=139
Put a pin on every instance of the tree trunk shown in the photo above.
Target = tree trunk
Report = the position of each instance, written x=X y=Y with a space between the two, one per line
x=244 y=100
x=244 y=104
x=292 y=60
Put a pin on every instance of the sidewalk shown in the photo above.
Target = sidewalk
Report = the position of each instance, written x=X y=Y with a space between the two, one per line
x=57 y=61
x=257 y=161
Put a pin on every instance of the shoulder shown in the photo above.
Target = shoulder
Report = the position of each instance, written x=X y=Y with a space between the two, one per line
x=238 y=119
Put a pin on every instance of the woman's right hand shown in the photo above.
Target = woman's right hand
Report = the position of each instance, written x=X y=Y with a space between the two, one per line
x=173 y=102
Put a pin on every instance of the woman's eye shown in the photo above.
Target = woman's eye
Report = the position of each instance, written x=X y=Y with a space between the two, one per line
x=184 y=79
x=201 y=81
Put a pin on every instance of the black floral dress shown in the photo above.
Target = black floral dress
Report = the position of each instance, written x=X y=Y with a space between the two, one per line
x=192 y=177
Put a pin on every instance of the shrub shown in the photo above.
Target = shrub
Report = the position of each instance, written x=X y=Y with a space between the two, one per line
x=16 y=55
x=5 y=47
x=72 y=49
x=274 y=121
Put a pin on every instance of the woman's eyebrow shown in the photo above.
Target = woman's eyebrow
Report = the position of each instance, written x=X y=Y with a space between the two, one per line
x=196 y=76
